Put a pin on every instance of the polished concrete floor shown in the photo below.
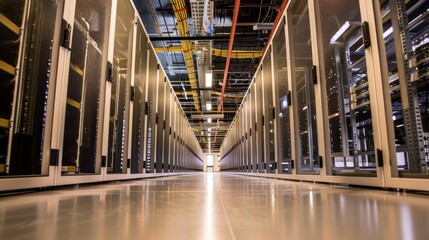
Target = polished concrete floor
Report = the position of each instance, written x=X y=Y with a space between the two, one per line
x=214 y=206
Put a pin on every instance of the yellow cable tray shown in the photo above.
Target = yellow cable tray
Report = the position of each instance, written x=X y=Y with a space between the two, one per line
x=9 y=24
x=77 y=69
x=73 y=103
x=7 y=68
x=4 y=123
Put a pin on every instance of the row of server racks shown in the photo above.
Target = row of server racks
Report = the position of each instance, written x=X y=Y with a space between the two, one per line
x=83 y=97
x=340 y=96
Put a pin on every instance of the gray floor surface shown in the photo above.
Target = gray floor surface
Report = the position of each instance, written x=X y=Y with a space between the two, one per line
x=209 y=206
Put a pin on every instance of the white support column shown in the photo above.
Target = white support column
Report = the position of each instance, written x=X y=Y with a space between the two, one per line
x=292 y=86
x=108 y=91
x=61 y=88
x=322 y=128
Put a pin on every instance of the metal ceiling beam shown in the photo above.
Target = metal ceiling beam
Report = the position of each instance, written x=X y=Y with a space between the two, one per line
x=276 y=22
x=228 y=7
x=234 y=90
x=253 y=37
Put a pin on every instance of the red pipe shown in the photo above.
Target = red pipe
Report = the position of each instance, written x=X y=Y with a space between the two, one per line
x=231 y=44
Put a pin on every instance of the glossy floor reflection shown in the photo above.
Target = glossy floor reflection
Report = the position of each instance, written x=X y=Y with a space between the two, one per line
x=214 y=206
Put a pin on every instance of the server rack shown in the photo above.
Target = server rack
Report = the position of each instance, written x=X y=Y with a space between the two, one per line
x=255 y=158
x=167 y=129
x=303 y=89
x=158 y=161
x=27 y=29
x=81 y=143
x=282 y=95
x=367 y=91
x=79 y=116
x=151 y=112
x=121 y=89
x=406 y=33
x=139 y=106
x=259 y=121
x=352 y=150
x=248 y=160
x=269 y=113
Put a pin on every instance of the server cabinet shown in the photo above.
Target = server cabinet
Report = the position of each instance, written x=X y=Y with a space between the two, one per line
x=240 y=136
x=81 y=148
x=282 y=96
x=248 y=135
x=175 y=137
x=179 y=142
x=241 y=141
x=160 y=122
x=405 y=35
x=173 y=109
x=260 y=121
x=269 y=112
x=167 y=129
x=139 y=103
x=244 y=134
x=29 y=48
x=152 y=83
x=237 y=150
x=347 y=89
x=121 y=89
x=303 y=89
x=253 y=130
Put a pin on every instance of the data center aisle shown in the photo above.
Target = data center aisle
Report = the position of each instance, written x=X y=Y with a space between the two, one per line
x=214 y=206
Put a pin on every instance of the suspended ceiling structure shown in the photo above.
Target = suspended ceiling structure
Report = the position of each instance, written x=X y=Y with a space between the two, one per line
x=210 y=50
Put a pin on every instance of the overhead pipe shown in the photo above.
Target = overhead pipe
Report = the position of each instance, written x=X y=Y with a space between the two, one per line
x=230 y=45
x=231 y=41
x=228 y=58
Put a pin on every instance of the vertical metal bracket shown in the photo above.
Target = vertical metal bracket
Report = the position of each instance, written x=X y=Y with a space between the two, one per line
x=380 y=161
x=314 y=74
x=320 y=161
x=103 y=161
x=54 y=157
x=132 y=94
x=109 y=71
x=366 y=35
x=66 y=34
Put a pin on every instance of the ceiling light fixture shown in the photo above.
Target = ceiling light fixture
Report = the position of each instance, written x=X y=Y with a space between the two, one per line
x=209 y=78
x=209 y=106
x=209 y=120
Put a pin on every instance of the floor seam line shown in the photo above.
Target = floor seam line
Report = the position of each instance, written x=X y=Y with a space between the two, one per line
x=231 y=231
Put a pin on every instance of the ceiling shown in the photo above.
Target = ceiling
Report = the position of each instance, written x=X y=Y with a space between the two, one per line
x=188 y=49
